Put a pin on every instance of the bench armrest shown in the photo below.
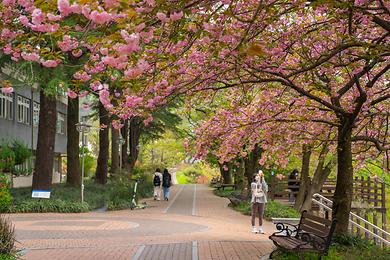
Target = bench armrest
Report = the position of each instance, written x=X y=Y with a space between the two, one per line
x=285 y=228
x=318 y=242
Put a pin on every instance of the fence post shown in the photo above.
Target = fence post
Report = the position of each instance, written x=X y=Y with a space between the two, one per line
x=383 y=195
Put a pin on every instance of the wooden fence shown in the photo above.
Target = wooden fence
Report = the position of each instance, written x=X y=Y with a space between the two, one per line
x=369 y=199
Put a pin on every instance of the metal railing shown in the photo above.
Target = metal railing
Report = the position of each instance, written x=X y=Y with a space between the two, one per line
x=326 y=204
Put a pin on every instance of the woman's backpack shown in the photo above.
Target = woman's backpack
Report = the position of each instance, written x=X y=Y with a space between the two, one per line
x=166 y=180
x=156 y=180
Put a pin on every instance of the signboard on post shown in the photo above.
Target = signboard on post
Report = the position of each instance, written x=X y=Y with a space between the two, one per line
x=41 y=194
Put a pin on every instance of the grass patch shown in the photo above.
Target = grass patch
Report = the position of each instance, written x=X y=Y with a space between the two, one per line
x=273 y=209
x=7 y=257
x=228 y=191
x=345 y=247
x=116 y=194
x=183 y=179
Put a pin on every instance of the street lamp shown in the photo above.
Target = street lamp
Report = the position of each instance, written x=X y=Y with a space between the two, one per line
x=121 y=142
x=82 y=128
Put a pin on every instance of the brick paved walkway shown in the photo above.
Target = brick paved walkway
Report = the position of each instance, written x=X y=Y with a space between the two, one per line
x=194 y=225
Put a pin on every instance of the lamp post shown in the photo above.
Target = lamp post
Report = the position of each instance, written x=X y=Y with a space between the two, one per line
x=121 y=142
x=82 y=128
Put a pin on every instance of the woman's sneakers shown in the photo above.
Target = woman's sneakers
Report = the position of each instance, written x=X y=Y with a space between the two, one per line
x=261 y=231
x=254 y=230
x=257 y=231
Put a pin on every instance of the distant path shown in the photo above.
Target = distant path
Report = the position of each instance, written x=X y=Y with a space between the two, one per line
x=194 y=224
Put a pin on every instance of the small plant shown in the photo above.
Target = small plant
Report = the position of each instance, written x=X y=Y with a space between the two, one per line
x=7 y=158
x=7 y=237
x=22 y=152
x=5 y=195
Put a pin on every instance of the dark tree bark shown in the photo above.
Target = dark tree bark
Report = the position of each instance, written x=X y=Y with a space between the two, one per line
x=43 y=171
x=344 y=188
x=102 y=162
x=252 y=164
x=72 y=147
x=239 y=175
x=226 y=174
x=125 y=146
x=114 y=150
x=304 y=181
x=313 y=185
x=134 y=136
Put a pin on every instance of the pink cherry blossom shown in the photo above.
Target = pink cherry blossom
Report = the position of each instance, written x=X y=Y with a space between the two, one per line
x=162 y=17
x=132 y=73
x=77 y=53
x=30 y=56
x=176 y=16
x=50 y=63
x=100 y=17
x=148 y=120
x=64 y=7
x=72 y=94
x=7 y=90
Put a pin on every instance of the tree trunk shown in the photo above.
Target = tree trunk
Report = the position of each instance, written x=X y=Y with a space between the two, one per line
x=125 y=146
x=72 y=147
x=102 y=162
x=114 y=150
x=226 y=174
x=305 y=179
x=43 y=171
x=134 y=136
x=344 y=188
x=239 y=176
x=252 y=164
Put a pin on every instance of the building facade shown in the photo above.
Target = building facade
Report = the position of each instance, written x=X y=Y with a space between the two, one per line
x=19 y=119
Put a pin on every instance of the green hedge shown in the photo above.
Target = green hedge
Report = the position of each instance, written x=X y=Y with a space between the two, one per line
x=273 y=209
x=114 y=195
x=345 y=247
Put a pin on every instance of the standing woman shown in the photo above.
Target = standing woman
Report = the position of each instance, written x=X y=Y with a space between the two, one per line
x=259 y=197
x=167 y=182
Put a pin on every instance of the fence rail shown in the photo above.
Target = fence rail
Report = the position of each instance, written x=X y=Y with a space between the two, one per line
x=369 y=229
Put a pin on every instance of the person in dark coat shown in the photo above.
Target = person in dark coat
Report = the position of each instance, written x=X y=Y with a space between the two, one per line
x=166 y=184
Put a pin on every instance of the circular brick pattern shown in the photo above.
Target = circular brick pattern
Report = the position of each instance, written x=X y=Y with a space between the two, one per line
x=75 y=225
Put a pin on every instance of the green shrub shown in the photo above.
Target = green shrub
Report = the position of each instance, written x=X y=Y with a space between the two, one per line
x=116 y=194
x=7 y=158
x=226 y=192
x=5 y=195
x=48 y=205
x=275 y=209
x=7 y=237
x=345 y=246
x=22 y=152
x=89 y=162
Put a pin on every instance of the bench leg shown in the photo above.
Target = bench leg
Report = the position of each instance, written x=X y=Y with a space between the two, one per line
x=273 y=253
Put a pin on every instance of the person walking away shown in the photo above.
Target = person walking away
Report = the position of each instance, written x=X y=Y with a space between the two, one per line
x=259 y=190
x=157 y=183
x=166 y=184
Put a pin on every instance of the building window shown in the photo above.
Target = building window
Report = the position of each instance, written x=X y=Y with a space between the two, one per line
x=24 y=110
x=36 y=114
x=60 y=123
x=6 y=105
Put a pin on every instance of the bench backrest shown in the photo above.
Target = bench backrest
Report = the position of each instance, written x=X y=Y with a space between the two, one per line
x=321 y=228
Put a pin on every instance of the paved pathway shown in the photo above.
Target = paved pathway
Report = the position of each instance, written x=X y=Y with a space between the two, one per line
x=193 y=225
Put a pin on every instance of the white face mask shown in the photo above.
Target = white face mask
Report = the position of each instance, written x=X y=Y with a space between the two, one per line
x=257 y=178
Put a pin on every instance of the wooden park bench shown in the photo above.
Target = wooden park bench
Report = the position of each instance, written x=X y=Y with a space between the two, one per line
x=313 y=234
x=223 y=186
